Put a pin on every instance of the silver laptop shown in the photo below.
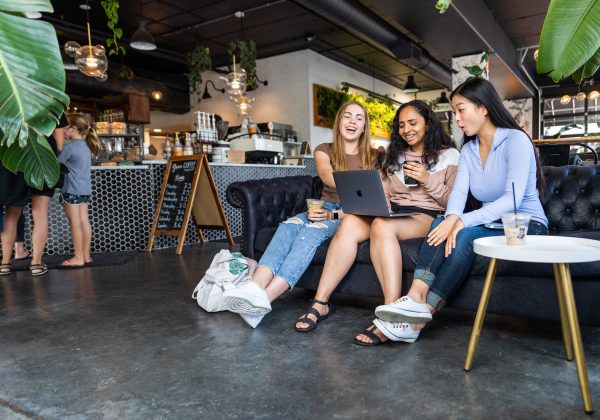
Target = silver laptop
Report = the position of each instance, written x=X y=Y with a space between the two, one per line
x=361 y=193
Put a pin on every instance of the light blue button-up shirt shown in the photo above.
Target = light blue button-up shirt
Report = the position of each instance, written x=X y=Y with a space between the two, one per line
x=512 y=159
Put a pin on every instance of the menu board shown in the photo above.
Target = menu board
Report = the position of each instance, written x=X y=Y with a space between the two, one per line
x=188 y=191
x=176 y=195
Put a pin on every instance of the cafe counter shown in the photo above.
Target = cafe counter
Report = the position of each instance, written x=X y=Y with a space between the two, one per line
x=125 y=197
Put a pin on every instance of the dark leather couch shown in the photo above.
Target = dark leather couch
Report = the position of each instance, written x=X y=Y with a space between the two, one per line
x=572 y=205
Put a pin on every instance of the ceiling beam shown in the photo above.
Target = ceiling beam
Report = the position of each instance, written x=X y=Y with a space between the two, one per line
x=480 y=19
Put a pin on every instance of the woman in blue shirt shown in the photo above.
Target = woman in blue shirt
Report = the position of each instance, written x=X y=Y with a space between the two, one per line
x=496 y=155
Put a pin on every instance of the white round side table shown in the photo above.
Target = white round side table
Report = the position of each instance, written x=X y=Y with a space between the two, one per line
x=559 y=251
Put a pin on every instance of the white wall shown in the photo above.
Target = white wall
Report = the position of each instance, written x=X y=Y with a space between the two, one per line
x=288 y=98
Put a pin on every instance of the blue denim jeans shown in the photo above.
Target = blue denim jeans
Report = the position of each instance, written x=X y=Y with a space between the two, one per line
x=445 y=275
x=294 y=245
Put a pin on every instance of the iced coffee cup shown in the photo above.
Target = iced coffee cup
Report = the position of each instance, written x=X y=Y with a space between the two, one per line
x=515 y=227
x=313 y=204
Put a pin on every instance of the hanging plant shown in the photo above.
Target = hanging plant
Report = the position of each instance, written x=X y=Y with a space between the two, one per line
x=245 y=50
x=125 y=72
x=198 y=61
x=111 y=8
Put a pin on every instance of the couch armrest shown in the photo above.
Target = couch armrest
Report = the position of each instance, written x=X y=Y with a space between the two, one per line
x=266 y=203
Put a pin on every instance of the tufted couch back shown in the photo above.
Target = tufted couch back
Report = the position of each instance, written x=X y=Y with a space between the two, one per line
x=571 y=201
x=572 y=198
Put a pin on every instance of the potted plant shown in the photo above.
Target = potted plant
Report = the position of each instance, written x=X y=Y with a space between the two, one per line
x=31 y=100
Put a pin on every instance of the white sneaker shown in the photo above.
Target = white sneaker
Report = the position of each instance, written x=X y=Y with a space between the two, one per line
x=404 y=310
x=397 y=331
x=252 y=320
x=248 y=299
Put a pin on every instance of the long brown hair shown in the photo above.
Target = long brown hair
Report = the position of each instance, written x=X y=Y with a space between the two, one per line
x=82 y=126
x=339 y=162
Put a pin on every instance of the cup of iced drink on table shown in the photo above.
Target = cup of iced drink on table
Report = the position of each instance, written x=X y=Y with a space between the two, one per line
x=313 y=204
x=515 y=227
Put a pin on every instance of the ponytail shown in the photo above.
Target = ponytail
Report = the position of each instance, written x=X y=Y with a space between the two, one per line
x=92 y=141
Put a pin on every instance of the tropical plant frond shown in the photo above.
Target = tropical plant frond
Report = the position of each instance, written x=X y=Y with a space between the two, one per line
x=570 y=37
x=36 y=160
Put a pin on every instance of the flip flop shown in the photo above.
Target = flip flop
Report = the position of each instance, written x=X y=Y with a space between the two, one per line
x=91 y=261
x=68 y=264
x=23 y=258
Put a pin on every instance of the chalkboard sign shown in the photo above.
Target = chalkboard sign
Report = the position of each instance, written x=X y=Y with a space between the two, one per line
x=188 y=190
x=177 y=194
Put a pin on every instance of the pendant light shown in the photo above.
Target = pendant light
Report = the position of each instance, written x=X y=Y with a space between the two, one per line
x=90 y=60
x=410 y=86
x=244 y=104
x=235 y=83
x=141 y=39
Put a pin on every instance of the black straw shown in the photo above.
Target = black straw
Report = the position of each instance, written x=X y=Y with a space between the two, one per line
x=514 y=197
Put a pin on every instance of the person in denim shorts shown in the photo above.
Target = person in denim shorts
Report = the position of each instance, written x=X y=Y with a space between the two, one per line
x=296 y=240
x=76 y=191
x=499 y=167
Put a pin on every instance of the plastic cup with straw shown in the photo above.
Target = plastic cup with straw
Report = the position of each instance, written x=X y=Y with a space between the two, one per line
x=515 y=224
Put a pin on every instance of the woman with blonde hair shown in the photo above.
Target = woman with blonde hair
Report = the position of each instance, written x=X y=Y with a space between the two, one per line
x=296 y=240
x=77 y=189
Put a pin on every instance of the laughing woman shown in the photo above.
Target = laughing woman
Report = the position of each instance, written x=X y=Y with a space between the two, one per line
x=496 y=156
x=297 y=239
x=421 y=150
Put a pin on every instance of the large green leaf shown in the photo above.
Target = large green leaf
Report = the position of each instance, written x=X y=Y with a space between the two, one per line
x=588 y=69
x=570 y=36
x=32 y=78
x=36 y=160
x=26 y=6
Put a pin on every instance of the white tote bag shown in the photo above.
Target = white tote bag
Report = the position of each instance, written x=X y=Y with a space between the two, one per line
x=227 y=271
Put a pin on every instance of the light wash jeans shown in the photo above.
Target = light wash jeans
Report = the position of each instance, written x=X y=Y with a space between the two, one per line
x=445 y=275
x=294 y=245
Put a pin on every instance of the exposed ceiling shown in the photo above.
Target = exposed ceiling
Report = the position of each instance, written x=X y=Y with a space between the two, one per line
x=282 y=26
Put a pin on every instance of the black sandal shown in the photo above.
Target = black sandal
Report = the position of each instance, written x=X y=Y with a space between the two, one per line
x=5 y=269
x=375 y=340
x=313 y=324
x=38 y=269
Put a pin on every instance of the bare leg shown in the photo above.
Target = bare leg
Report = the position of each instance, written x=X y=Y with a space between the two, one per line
x=340 y=256
x=20 y=252
x=386 y=254
x=276 y=288
x=262 y=276
x=86 y=232
x=72 y=212
x=9 y=232
x=39 y=210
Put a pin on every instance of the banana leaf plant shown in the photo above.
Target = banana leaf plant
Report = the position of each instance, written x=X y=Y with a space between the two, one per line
x=32 y=91
x=570 y=40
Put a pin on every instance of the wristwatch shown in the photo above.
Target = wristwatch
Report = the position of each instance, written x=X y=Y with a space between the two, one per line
x=335 y=215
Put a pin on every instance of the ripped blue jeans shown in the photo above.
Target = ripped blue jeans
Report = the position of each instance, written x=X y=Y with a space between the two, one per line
x=294 y=245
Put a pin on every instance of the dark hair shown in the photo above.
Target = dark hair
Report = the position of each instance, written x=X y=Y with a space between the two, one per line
x=482 y=93
x=436 y=139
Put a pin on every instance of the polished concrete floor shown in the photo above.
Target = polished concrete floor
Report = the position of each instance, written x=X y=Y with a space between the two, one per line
x=128 y=341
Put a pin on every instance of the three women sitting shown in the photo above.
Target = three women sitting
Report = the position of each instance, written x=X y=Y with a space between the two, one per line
x=496 y=155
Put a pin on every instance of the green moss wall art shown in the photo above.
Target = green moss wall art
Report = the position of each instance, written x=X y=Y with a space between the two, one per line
x=327 y=101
